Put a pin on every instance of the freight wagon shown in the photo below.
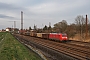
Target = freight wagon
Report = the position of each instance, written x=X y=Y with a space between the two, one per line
x=21 y=32
x=33 y=33
x=45 y=36
x=39 y=35
x=51 y=36
x=27 y=33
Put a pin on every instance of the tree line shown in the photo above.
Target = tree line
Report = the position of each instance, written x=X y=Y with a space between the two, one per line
x=78 y=27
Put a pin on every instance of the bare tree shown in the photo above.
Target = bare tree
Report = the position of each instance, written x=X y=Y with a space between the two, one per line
x=30 y=28
x=71 y=30
x=89 y=28
x=60 y=26
x=49 y=29
x=80 y=23
x=45 y=27
x=35 y=27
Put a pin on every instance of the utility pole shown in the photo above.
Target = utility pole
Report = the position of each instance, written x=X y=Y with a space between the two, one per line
x=86 y=27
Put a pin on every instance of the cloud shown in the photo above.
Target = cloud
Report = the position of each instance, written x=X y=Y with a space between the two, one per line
x=9 y=7
x=5 y=16
x=56 y=7
x=10 y=11
x=55 y=11
x=10 y=1
x=43 y=11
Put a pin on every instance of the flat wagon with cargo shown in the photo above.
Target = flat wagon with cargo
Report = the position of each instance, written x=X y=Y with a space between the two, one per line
x=51 y=36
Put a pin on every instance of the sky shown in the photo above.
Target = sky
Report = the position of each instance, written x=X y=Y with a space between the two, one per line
x=41 y=12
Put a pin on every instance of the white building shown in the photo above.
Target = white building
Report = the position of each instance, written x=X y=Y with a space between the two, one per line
x=7 y=29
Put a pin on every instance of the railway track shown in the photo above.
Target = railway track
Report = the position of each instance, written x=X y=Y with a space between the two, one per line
x=86 y=44
x=78 y=52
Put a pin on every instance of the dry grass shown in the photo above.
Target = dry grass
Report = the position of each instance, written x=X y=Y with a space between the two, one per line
x=77 y=37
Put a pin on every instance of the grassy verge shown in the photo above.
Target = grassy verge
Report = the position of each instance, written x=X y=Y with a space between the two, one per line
x=11 y=49
x=2 y=34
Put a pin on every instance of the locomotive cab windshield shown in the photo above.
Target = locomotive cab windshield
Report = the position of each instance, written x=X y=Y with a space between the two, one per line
x=64 y=35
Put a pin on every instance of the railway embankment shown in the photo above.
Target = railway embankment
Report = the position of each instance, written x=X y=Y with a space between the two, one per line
x=52 y=52
x=12 y=49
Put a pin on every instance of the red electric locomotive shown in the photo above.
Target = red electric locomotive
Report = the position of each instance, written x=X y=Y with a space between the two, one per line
x=58 y=36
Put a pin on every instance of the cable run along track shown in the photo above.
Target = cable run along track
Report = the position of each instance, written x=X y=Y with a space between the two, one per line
x=75 y=51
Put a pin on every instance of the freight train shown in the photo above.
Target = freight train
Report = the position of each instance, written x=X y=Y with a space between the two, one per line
x=51 y=36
